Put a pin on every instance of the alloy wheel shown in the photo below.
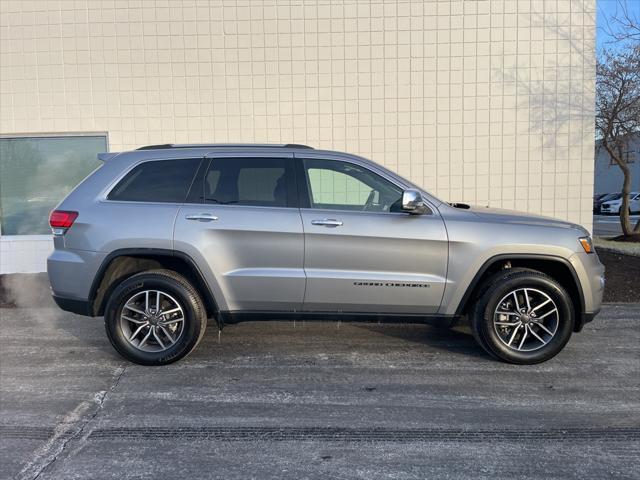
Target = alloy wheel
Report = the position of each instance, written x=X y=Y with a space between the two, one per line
x=526 y=319
x=152 y=320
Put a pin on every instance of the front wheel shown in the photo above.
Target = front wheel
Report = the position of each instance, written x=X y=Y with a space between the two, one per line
x=155 y=318
x=523 y=316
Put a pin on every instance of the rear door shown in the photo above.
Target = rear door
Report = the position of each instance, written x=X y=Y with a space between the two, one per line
x=362 y=253
x=244 y=228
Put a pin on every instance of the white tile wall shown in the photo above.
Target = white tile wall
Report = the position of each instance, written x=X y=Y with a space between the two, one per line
x=25 y=253
x=487 y=101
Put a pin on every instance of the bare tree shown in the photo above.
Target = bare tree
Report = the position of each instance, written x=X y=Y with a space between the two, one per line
x=627 y=19
x=618 y=113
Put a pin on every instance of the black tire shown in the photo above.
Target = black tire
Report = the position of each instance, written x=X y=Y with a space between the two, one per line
x=179 y=288
x=494 y=291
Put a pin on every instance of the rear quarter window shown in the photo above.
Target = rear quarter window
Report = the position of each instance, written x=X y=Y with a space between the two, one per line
x=165 y=181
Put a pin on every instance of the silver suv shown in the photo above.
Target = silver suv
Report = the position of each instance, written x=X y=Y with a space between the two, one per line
x=160 y=239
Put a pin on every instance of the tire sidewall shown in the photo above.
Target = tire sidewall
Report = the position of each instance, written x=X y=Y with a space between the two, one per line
x=565 y=323
x=130 y=287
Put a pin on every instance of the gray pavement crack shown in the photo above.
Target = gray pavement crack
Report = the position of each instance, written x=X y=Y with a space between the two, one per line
x=73 y=426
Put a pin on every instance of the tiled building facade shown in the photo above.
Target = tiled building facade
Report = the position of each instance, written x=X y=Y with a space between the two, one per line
x=487 y=102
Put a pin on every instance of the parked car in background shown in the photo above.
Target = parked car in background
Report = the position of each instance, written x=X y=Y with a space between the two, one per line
x=613 y=206
x=160 y=239
x=603 y=197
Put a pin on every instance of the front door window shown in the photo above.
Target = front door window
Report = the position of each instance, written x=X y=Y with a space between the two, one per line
x=337 y=185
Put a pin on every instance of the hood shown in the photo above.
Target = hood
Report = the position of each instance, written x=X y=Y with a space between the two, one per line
x=499 y=215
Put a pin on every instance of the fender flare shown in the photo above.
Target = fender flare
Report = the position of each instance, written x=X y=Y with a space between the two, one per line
x=507 y=256
x=203 y=286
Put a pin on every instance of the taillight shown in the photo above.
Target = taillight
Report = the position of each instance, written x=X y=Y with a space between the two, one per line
x=60 y=220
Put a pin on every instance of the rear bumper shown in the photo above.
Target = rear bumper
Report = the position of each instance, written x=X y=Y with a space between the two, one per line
x=71 y=272
x=80 y=307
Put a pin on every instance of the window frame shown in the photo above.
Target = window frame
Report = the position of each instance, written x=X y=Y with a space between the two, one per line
x=628 y=157
x=109 y=189
x=57 y=135
x=196 y=194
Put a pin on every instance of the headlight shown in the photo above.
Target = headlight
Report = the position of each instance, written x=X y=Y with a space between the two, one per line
x=587 y=244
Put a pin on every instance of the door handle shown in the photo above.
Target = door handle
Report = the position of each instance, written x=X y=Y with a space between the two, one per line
x=205 y=217
x=327 y=222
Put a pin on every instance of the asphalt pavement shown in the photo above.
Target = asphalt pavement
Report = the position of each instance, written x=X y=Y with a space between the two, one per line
x=317 y=400
x=609 y=225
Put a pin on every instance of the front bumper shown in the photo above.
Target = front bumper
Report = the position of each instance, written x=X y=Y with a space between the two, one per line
x=584 y=319
x=590 y=277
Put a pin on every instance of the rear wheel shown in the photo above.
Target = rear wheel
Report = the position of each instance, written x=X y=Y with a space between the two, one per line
x=523 y=316
x=155 y=318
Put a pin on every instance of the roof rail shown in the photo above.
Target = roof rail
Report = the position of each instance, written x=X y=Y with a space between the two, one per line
x=222 y=145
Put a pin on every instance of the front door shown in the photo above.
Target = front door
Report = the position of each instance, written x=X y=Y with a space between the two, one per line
x=362 y=253
x=244 y=226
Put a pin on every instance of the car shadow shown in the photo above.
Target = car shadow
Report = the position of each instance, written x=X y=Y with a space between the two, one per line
x=457 y=340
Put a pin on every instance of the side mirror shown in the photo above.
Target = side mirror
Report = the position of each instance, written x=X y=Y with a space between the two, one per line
x=413 y=203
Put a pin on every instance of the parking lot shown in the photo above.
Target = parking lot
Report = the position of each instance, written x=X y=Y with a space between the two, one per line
x=609 y=225
x=317 y=400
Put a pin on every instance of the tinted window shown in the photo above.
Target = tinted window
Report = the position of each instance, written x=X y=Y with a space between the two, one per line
x=157 y=181
x=247 y=181
x=345 y=186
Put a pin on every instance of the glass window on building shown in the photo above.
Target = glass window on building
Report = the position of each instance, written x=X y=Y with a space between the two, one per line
x=37 y=172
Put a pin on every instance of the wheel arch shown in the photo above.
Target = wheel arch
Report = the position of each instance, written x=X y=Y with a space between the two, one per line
x=559 y=268
x=121 y=264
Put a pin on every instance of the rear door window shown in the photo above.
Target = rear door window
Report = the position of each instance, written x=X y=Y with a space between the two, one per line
x=264 y=182
x=166 y=181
